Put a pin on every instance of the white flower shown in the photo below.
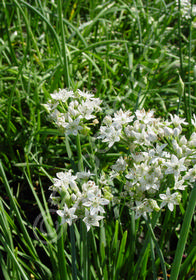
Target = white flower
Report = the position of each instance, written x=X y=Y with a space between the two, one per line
x=73 y=109
x=179 y=184
x=141 y=137
x=194 y=10
x=121 y=117
x=180 y=146
x=170 y=199
x=145 y=117
x=89 y=186
x=95 y=104
x=86 y=95
x=73 y=126
x=175 y=166
x=95 y=201
x=183 y=140
x=110 y=135
x=60 y=120
x=69 y=110
x=193 y=120
x=151 y=135
x=108 y=121
x=91 y=220
x=86 y=109
x=177 y=131
x=157 y=153
x=142 y=208
x=176 y=120
x=176 y=147
x=50 y=106
x=54 y=200
x=84 y=174
x=168 y=131
x=138 y=157
x=185 y=8
x=84 y=203
x=64 y=180
x=62 y=95
x=192 y=141
x=67 y=214
x=191 y=174
x=120 y=165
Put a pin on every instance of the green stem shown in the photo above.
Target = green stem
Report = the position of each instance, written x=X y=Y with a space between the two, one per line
x=189 y=71
x=61 y=254
x=158 y=249
x=144 y=251
x=84 y=243
x=13 y=258
x=153 y=259
x=181 y=60
x=79 y=151
x=70 y=154
x=84 y=251
x=132 y=246
x=64 y=50
x=183 y=234
x=44 y=19
x=13 y=203
x=73 y=253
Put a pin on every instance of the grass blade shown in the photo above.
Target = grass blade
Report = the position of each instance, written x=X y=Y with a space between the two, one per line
x=183 y=234
x=10 y=252
x=121 y=253
x=16 y=210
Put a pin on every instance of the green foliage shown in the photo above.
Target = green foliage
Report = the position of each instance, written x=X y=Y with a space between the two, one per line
x=131 y=54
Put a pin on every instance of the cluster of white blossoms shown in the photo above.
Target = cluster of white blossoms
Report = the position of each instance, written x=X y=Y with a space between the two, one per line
x=185 y=8
x=76 y=196
x=77 y=200
x=160 y=162
x=72 y=111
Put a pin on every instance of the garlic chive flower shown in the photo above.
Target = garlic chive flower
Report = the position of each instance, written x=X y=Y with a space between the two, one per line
x=157 y=163
x=91 y=220
x=63 y=181
x=77 y=197
x=160 y=161
x=95 y=201
x=72 y=111
x=170 y=199
x=67 y=215
x=175 y=166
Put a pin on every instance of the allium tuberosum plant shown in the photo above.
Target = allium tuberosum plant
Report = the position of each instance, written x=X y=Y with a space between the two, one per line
x=157 y=164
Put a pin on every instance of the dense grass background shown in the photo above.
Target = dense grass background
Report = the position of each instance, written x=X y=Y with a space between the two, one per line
x=131 y=54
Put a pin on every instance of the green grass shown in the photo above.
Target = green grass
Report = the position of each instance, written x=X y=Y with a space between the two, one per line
x=131 y=54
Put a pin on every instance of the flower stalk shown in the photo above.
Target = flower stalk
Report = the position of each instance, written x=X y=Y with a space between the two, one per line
x=183 y=234
x=79 y=151
x=61 y=254
x=73 y=252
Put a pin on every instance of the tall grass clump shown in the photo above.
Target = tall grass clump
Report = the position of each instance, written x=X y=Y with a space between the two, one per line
x=98 y=137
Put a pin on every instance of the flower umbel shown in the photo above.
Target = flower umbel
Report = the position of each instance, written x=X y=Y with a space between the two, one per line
x=156 y=162
x=72 y=111
x=78 y=201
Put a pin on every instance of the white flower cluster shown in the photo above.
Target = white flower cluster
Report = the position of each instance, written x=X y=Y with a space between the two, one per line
x=112 y=128
x=78 y=202
x=72 y=110
x=185 y=8
x=160 y=161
